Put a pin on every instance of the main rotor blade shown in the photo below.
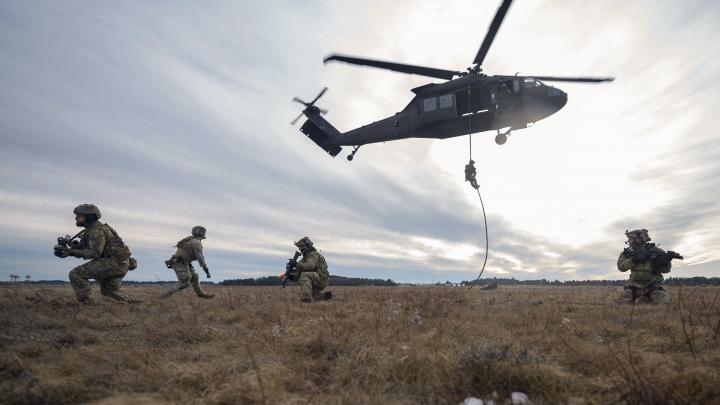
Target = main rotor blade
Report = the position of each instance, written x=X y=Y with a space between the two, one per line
x=299 y=100
x=397 y=67
x=492 y=30
x=574 y=79
x=319 y=95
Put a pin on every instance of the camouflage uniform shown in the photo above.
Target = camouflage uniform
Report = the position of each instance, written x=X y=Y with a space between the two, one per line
x=109 y=261
x=188 y=250
x=646 y=279
x=471 y=173
x=313 y=270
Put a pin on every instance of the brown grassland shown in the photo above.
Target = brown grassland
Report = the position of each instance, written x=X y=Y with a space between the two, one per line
x=369 y=345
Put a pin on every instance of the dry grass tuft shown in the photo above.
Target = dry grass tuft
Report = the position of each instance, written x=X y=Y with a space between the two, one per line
x=259 y=345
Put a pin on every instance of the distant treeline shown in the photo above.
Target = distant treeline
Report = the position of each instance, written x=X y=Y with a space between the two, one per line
x=356 y=281
x=334 y=280
x=679 y=281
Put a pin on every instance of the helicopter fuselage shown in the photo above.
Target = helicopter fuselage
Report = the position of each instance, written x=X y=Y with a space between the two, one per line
x=466 y=105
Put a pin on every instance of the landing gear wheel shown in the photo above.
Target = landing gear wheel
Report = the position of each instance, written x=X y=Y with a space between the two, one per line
x=500 y=139
x=352 y=154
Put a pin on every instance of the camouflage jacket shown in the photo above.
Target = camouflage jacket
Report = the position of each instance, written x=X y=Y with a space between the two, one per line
x=313 y=261
x=645 y=273
x=100 y=241
x=191 y=249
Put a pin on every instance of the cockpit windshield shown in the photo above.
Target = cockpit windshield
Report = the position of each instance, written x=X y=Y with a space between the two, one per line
x=531 y=82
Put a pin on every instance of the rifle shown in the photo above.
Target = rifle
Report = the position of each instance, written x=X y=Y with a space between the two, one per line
x=639 y=256
x=291 y=269
x=65 y=243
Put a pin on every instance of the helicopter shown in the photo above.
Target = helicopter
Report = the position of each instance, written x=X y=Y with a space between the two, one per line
x=467 y=102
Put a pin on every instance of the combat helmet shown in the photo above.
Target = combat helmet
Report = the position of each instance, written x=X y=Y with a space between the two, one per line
x=304 y=242
x=638 y=233
x=198 y=231
x=87 y=209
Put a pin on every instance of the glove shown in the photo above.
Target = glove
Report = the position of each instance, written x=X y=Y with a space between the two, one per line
x=207 y=272
x=62 y=252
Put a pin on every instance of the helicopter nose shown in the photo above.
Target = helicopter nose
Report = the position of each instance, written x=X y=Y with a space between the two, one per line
x=557 y=98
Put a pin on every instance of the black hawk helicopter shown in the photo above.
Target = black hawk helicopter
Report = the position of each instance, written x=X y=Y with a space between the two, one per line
x=466 y=103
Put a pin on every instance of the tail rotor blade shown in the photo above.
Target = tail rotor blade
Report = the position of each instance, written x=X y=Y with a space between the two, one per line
x=296 y=119
x=319 y=95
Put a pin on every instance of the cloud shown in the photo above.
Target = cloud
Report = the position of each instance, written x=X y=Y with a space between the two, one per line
x=168 y=117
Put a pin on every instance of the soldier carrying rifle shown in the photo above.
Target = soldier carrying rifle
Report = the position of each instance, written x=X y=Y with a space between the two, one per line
x=646 y=263
x=311 y=272
x=109 y=257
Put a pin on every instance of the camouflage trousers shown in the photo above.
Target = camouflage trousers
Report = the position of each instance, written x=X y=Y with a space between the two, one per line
x=186 y=276
x=107 y=272
x=654 y=294
x=311 y=283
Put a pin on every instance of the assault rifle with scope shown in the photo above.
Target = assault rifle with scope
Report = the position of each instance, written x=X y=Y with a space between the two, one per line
x=639 y=256
x=66 y=243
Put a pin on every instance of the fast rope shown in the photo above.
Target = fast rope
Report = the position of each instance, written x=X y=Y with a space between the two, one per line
x=477 y=189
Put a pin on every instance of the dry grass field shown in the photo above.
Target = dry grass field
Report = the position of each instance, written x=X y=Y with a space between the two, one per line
x=369 y=345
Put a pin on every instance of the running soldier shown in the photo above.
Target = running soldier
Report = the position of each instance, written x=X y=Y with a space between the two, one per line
x=188 y=250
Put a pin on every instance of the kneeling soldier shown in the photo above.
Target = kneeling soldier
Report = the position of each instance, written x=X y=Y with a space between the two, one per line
x=312 y=272
x=646 y=263
x=188 y=250
x=109 y=256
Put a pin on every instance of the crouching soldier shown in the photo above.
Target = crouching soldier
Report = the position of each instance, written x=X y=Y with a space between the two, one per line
x=646 y=263
x=188 y=250
x=109 y=256
x=312 y=272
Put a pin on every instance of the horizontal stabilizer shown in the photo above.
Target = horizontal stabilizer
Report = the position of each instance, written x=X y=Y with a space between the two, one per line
x=321 y=138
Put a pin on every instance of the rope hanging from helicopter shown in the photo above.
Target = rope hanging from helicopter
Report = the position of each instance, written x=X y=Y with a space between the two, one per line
x=470 y=174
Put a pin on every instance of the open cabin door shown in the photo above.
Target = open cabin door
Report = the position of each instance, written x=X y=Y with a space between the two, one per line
x=471 y=100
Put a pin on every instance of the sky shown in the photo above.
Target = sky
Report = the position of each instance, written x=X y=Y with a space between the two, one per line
x=171 y=115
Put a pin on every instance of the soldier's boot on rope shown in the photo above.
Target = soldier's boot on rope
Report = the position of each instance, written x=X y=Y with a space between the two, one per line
x=195 y=282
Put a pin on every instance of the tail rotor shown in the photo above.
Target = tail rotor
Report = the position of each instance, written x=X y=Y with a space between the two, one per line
x=309 y=106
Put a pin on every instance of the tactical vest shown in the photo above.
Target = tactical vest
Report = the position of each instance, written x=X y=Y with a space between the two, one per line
x=321 y=268
x=645 y=273
x=114 y=247
x=185 y=250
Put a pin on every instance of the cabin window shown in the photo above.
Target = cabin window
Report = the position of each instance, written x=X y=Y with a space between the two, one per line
x=446 y=101
x=430 y=104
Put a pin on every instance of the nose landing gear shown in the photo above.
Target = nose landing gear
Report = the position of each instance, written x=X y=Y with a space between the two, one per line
x=352 y=155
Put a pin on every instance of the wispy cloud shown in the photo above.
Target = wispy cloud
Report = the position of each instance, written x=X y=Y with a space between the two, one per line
x=171 y=117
